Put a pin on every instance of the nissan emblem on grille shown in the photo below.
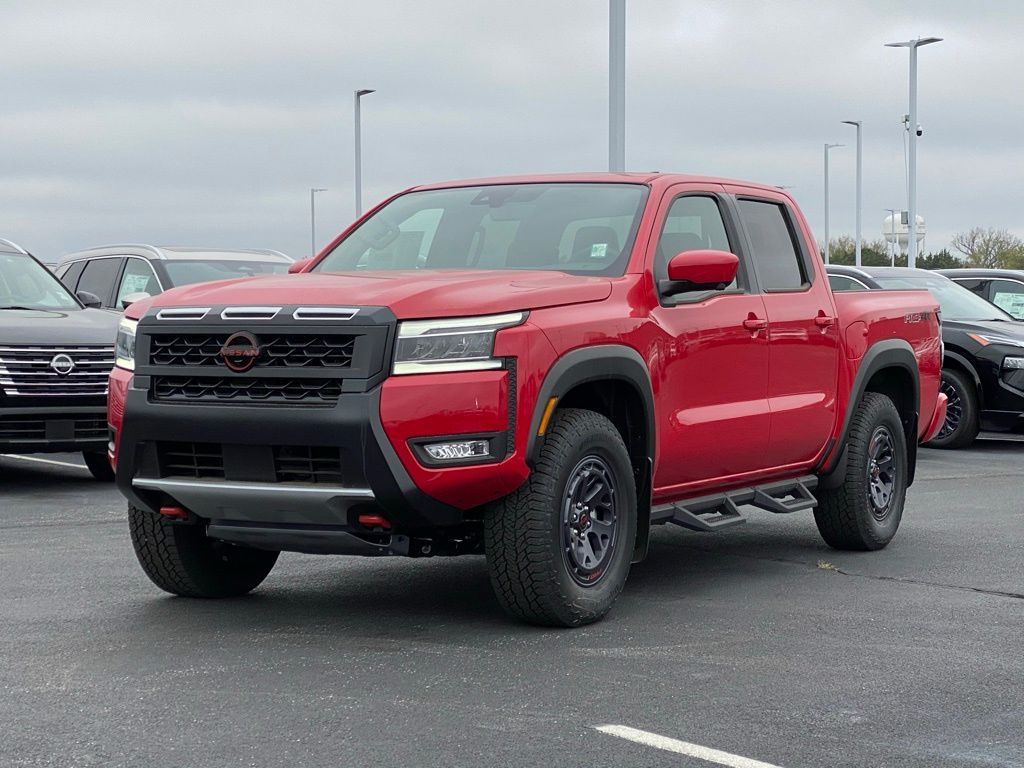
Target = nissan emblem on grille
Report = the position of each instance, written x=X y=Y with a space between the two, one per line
x=62 y=364
x=240 y=351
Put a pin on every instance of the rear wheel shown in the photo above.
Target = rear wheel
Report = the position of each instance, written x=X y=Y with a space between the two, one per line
x=180 y=559
x=560 y=547
x=99 y=465
x=961 y=426
x=864 y=513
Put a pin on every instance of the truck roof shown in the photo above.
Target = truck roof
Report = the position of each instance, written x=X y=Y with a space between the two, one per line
x=599 y=177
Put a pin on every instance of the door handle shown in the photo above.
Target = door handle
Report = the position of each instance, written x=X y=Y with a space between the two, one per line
x=824 y=321
x=754 y=323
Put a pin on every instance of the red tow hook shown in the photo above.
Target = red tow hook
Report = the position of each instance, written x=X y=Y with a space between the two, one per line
x=174 y=513
x=375 y=521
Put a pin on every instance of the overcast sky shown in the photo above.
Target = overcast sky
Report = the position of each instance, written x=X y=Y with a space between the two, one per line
x=207 y=123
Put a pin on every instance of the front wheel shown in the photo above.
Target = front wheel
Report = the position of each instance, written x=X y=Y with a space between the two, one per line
x=864 y=512
x=961 y=426
x=99 y=465
x=180 y=559
x=560 y=547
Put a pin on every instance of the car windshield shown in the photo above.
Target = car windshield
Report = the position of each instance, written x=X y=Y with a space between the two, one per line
x=189 y=271
x=956 y=302
x=584 y=229
x=27 y=284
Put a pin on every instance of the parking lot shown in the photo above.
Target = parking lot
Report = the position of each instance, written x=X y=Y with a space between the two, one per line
x=757 y=641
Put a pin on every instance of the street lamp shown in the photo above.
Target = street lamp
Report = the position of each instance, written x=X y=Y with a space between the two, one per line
x=312 y=218
x=616 y=85
x=860 y=171
x=359 y=151
x=827 y=148
x=913 y=45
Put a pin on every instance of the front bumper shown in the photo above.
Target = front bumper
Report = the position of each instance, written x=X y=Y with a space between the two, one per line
x=52 y=429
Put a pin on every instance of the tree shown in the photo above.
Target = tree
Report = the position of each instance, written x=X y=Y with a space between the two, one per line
x=939 y=260
x=990 y=248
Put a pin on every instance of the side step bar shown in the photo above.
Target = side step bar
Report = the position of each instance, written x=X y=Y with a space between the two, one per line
x=710 y=513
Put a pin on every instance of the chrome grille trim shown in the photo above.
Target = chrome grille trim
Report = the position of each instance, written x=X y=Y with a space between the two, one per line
x=325 y=313
x=183 y=313
x=249 y=313
x=27 y=372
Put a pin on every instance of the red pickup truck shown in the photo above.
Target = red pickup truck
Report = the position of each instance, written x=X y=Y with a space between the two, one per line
x=536 y=369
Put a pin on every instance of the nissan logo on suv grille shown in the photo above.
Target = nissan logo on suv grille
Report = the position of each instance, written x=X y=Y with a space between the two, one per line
x=62 y=364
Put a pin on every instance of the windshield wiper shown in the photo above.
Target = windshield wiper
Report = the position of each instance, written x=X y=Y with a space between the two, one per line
x=15 y=306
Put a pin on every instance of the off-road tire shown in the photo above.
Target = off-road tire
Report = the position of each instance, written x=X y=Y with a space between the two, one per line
x=845 y=515
x=99 y=466
x=180 y=559
x=525 y=532
x=961 y=392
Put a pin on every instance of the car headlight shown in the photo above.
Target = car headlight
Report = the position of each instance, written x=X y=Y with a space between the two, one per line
x=450 y=344
x=1013 y=363
x=124 y=347
x=992 y=338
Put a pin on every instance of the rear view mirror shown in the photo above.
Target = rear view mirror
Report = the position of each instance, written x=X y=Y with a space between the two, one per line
x=299 y=266
x=91 y=300
x=703 y=270
x=131 y=298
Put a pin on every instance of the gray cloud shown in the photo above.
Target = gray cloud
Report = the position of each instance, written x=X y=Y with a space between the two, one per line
x=207 y=123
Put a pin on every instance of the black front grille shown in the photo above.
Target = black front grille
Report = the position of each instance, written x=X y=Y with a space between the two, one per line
x=33 y=429
x=275 y=463
x=307 y=464
x=224 y=389
x=275 y=351
x=191 y=459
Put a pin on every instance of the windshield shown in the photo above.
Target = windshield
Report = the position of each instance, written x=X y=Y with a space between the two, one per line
x=584 y=229
x=956 y=302
x=27 y=284
x=189 y=271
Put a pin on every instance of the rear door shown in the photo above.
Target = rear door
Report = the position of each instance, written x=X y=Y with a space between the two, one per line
x=712 y=364
x=99 y=277
x=803 y=335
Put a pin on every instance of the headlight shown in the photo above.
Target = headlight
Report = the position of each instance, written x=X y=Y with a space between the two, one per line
x=124 y=347
x=992 y=338
x=1013 y=363
x=452 y=344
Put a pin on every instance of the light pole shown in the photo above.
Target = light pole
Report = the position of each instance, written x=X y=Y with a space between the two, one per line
x=359 y=150
x=913 y=45
x=616 y=85
x=312 y=218
x=827 y=148
x=860 y=199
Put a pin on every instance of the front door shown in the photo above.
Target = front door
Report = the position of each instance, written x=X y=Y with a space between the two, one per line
x=712 y=363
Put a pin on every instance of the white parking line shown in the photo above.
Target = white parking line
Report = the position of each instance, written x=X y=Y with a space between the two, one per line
x=44 y=461
x=649 y=739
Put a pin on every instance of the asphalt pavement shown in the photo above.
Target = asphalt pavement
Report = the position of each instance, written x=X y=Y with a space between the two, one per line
x=758 y=642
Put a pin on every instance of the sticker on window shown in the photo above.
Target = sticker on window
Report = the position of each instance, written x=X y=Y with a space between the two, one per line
x=134 y=283
x=598 y=250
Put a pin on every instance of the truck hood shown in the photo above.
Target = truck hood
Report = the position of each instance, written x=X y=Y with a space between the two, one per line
x=19 y=327
x=409 y=294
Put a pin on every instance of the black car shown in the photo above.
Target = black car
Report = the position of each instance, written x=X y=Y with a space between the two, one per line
x=121 y=274
x=1002 y=287
x=983 y=365
x=55 y=357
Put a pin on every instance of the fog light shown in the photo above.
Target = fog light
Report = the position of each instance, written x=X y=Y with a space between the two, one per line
x=464 y=449
x=1013 y=363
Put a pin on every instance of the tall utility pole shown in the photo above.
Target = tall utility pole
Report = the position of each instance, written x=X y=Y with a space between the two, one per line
x=913 y=45
x=616 y=85
x=827 y=244
x=860 y=188
x=312 y=218
x=359 y=150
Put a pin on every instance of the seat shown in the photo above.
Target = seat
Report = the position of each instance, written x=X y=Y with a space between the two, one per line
x=589 y=236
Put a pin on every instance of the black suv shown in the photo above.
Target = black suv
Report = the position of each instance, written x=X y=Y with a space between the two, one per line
x=1002 y=287
x=121 y=274
x=983 y=364
x=55 y=357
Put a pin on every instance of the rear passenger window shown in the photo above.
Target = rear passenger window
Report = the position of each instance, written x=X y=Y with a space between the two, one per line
x=1009 y=296
x=779 y=265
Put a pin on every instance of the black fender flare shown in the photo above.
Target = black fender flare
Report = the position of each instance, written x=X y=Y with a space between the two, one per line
x=966 y=364
x=890 y=353
x=604 y=362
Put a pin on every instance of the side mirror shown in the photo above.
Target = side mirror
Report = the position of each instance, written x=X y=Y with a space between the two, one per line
x=131 y=298
x=704 y=270
x=91 y=300
x=299 y=266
